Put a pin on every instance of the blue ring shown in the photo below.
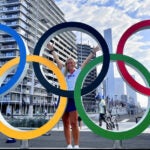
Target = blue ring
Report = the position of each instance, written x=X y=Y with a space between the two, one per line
x=79 y=26
x=22 y=62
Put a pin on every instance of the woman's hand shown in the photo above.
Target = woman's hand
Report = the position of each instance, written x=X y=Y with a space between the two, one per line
x=50 y=47
x=96 y=49
x=55 y=56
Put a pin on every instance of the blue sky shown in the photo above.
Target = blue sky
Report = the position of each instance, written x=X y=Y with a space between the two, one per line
x=118 y=15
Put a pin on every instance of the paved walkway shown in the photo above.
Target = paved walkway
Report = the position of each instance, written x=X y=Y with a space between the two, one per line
x=87 y=140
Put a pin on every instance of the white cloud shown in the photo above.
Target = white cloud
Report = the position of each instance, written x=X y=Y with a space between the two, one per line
x=144 y=9
x=128 y=5
x=118 y=19
x=98 y=17
x=90 y=2
x=109 y=17
x=140 y=7
x=102 y=18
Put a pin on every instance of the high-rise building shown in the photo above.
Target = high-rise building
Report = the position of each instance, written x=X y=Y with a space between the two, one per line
x=131 y=93
x=124 y=92
x=83 y=51
x=108 y=83
x=119 y=88
x=31 y=18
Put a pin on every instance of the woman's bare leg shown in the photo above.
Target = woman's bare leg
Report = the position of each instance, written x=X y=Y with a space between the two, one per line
x=74 y=124
x=66 y=123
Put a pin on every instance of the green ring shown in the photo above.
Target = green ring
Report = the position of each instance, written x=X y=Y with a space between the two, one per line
x=140 y=127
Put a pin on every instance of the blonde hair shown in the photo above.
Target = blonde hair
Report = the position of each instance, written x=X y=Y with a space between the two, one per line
x=70 y=58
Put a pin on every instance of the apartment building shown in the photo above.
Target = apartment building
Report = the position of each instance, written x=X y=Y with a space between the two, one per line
x=31 y=18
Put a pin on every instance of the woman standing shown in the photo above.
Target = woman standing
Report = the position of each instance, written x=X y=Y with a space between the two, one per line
x=70 y=117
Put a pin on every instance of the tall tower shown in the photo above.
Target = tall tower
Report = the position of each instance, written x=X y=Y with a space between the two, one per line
x=109 y=80
x=31 y=18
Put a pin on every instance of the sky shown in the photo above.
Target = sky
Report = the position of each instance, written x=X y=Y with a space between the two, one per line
x=118 y=15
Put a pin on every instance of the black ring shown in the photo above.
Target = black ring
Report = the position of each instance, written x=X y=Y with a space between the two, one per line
x=78 y=27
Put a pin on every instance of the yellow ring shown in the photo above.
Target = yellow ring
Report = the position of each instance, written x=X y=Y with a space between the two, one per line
x=16 y=133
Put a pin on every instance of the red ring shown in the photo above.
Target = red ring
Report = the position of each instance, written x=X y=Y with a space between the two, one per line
x=121 y=65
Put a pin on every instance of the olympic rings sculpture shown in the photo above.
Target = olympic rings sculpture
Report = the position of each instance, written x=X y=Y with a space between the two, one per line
x=120 y=59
